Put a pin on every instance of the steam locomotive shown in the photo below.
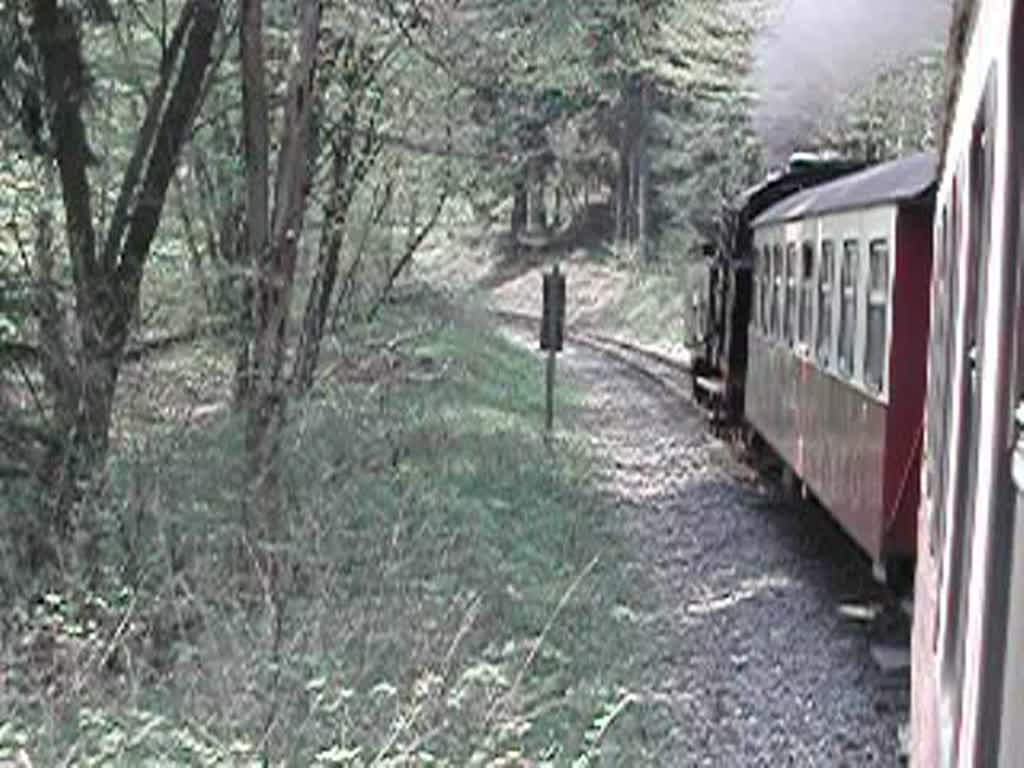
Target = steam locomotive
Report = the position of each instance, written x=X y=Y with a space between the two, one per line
x=867 y=326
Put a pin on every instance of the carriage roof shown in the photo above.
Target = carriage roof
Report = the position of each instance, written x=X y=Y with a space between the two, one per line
x=898 y=181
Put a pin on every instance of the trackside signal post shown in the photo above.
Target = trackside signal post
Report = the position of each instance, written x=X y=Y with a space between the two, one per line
x=552 y=332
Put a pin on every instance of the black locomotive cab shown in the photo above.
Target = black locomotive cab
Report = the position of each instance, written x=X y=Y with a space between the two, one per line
x=721 y=295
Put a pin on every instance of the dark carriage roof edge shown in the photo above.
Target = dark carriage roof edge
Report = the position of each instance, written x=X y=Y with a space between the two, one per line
x=799 y=175
x=897 y=181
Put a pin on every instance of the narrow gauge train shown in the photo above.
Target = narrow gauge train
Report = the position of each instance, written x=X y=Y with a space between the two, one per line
x=968 y=644
x=829 y=368
x=806 y=377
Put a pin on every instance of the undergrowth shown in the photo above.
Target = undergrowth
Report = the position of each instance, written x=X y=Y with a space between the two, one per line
x=451 y=590
x=655 y=307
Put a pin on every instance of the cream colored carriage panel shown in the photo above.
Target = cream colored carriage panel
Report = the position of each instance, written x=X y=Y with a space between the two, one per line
x=876 y=224
x=862 y=227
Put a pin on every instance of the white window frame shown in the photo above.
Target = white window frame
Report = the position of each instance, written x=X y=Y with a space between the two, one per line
x=806 y=287
x=826 y=289
x=792 y=302
x=877 y=296
x=778 y=269
x=846 y=362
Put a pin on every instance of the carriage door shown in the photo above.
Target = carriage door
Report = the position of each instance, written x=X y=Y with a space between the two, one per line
x=1005 y=673
x=1011 y=582
x=991 y=501
x=965 y=446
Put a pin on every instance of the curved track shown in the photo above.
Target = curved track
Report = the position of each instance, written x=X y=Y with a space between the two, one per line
x=666 y=372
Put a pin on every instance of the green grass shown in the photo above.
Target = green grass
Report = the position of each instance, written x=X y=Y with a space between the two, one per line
x=449 y=596
x=654 y=309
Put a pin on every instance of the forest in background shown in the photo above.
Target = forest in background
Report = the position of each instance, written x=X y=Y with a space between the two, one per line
x=224 y=199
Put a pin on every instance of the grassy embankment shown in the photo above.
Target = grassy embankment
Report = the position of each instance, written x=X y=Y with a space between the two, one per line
x=644 y=304
x=453 y=593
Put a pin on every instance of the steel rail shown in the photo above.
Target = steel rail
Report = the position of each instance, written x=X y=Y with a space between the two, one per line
x=635 y=357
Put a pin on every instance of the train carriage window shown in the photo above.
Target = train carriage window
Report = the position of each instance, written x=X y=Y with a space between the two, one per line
x=825 y=273
x=755 y=282
x=766 y=276
x=759 y=269
x=776 y=288
x=878 y=299
x=848 y=298
x=936 y=378
x=806 y=293
x=948 y=310
x=789 y=318
x=967 y=447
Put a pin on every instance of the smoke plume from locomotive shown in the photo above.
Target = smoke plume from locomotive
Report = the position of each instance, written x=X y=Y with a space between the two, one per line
x=813 y=51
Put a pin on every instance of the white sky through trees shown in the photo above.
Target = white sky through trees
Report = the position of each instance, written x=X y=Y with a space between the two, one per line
x=813 y=51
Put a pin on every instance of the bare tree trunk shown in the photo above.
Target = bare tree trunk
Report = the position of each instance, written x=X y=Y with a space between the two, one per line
x=414 y=240
x=256 y=133
x=532 y=207
x=59 y=377
x=324 y=279
x=107 y=282
x=622 y=182
x=643 y=171
x=382 y=199
x=344 y=180
x=630 y=160
x=643 y=239
x=273 y=248
x=539 y=192
x=520 y=204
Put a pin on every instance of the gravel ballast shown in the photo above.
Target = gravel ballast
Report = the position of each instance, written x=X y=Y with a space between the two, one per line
x=754 y=659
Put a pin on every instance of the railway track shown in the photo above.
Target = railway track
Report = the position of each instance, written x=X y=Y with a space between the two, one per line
x=668 y=373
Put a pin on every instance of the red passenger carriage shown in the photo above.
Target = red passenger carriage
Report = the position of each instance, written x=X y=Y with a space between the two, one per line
x=837 y=345
x=968 y=646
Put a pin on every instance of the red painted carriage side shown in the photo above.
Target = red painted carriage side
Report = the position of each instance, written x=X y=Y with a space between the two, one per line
x=831 y=433
x=904 y=432
x=859 y=456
